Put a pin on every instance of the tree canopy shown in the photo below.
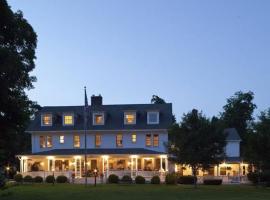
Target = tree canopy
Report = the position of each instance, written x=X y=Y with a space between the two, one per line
x=18 y=42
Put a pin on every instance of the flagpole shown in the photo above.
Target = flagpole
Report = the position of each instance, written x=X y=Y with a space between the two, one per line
x=85 y=140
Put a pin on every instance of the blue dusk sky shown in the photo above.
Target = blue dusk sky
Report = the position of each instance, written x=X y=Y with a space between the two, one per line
x=194 y=54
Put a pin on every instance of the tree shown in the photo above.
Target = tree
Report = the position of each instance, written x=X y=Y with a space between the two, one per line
x=197 y=142
x=258 y=145
x=238 y=113
x=157 y=100
x=17 y=54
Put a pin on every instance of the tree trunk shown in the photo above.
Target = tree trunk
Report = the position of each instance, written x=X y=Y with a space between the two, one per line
x=195 y=176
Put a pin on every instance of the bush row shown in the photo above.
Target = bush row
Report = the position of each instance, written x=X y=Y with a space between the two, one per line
x=127 y=179
x=262 y=177
x=38 y=179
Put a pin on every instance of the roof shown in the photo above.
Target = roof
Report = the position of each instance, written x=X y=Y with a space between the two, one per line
x=97 y=151
x=233 y=159
x=232 y=134
x=114 y=117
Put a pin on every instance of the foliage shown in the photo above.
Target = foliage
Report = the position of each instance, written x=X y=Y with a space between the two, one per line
x=28 y=179
x=50 y=179
x=38 y=179
x=126 y=179
x=18 y=178
x=187 y=180
x=171 y=179
x=139 y=180
x=17 y=53
x=2 y=180
x=189 y=142
x=212 y=181
x=113 y=178
x=155 y=180
x=61 y=179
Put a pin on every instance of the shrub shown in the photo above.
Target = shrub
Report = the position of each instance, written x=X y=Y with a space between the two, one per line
x=155 y=180
x=126 y=179
x=212 y=181
x=113 y=178
x=186 y=179
x=253 y=177
x=2 y=181
x=171 y=179
x=139 y=180
x=18 y=178
x=38 y=179
x=50 y=179
x=28 y=179
x=61 y=179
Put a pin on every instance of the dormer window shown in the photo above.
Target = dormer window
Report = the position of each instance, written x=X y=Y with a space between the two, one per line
x=153 y=117
x=98 y=118
x=129 y=117
x=46 y=119
x=68 y=119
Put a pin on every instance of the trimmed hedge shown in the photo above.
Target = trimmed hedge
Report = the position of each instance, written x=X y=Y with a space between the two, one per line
x=186 y=180
x=38 y=179
x=139 y=180
x=155 y=180
x=61 y=179
x=113 y=178
x=2 y=181
x=263 y=177
x=18 y=178
x=171 y=179
x=212 y=181
x=126 y=179
x=28 y=179
x=50 y=179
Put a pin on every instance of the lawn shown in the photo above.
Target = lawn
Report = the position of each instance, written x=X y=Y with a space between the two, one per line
x=136 y=192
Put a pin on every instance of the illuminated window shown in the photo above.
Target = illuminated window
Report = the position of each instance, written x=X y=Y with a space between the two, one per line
x=49 y=141
x=97 y=140
x=98 y=118
x=42 y=141
x=61 y=139
x=130 y=118
x=46 y=119
x=152 y=117
x=68 y=119
x=223 y=171
x=76 y=141
x=133 y=138
x=119 y=140
x=148 y=140
x=156 y=140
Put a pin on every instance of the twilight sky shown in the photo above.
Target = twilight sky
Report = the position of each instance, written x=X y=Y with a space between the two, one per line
x=194 y=54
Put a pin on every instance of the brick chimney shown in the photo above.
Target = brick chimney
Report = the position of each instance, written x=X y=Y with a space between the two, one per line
x=96 y=100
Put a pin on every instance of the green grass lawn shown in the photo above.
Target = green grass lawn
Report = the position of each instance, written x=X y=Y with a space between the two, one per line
x=130 y=192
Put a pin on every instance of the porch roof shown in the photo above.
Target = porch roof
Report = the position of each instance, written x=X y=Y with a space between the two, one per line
x=233 y=159
x=98 y=151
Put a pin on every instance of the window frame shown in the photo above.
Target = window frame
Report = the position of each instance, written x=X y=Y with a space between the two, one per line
x=116 y=140
x=63 y=139
x=47 y=139
x=100 y=139
x=148 y=134
x=130 y=113
x=148 y=117
x=94 y=121
x=74 y=141
x=155 y=135
x=68 y=114
x=43 y=115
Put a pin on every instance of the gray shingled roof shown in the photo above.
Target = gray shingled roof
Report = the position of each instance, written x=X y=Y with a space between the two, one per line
x=114 y=117
x=232 y=134
x=98 y=151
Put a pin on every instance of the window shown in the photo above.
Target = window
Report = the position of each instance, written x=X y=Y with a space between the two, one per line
x=156 y=140
x=61 y=139
x=97 y=140
x=42 y=141
x=119 y=140
x=46 y=120
x=130 y=118
x=49 y=141
x=98 y=118
x=133 y=138
x=152 y=117
x=223 y=171
x=76 y=141
x=148 y=140
x=68 y=119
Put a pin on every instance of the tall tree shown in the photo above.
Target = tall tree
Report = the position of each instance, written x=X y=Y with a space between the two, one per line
x=197 y=142
x=18 y=42
x=238 y=113
x=258 y=145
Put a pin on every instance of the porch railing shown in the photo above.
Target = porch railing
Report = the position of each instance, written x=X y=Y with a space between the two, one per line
x=44 y=174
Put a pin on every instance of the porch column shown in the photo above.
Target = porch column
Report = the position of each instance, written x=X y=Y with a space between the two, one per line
x=166 y=164
x=161 y=168
x=21 y=164
x=136 y=165
x=105 y=159
x=75 y=167
x=217 y=169
x=25 y=163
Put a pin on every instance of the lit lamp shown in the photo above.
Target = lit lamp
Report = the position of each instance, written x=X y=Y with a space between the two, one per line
x=7 y=169
x=95 y=174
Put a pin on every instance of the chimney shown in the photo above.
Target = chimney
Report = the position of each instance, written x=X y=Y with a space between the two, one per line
x=96 y=100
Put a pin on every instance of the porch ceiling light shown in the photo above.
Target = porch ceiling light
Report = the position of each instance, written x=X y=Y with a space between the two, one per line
x=50 y=157
x=42 y=163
